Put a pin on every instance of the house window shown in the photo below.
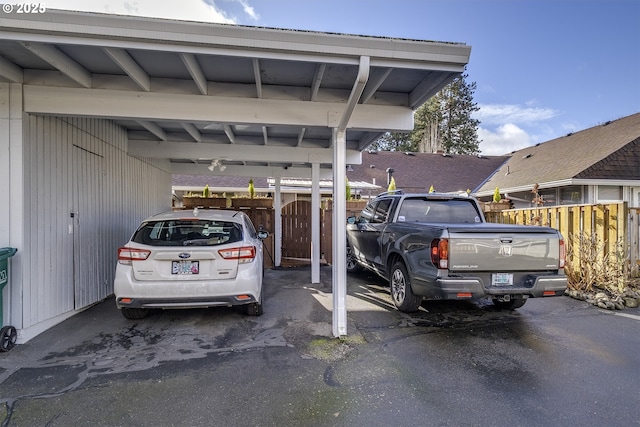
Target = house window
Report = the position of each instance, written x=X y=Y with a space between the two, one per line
x=635 y=197
x=548 y=196
x=571 y=195
x=609 y=193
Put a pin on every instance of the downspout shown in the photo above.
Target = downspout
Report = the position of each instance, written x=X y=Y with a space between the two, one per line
x=339 y=272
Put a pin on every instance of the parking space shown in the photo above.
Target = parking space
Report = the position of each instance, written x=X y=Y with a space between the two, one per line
x=554 y=361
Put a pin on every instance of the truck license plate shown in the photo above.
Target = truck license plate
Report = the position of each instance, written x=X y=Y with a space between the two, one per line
x=502 y=279
x=185 y=267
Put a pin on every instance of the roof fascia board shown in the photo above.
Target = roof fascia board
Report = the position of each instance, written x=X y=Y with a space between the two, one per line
x=177 y=48
x=92 y=26
x=455 y=63
x=198 y=108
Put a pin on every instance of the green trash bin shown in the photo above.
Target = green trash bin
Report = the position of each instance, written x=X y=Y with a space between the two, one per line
x=8 y=334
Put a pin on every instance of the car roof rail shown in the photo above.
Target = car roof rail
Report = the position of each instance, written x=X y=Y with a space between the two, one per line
x=386 y=193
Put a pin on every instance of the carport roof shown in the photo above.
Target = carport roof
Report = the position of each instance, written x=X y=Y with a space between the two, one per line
x=260 y=101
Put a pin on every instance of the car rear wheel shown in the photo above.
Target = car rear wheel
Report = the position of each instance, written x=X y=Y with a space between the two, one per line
x=255 y=309
x=401 y=293
x=511 y=304
x=134 y=313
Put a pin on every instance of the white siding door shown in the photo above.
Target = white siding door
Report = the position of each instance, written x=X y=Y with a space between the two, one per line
x=88 y=224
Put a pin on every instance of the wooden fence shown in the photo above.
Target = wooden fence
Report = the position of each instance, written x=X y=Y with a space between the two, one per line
x=613 y=229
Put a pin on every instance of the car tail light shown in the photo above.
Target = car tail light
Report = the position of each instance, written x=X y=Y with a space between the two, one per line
x=440 y=253
x=242 y=254
x=563 y=254
x=126 y=255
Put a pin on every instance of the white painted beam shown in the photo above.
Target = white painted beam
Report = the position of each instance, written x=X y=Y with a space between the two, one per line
x=368 y=138
x=129 y=66
x=194 y=108
x=228 y=129
x=61 y=62
x=427 y=88
x=317 y=80
x=257 y=77
x=154 y=129
x=250 y=153
x=255 y=171
x=193 y=131
x=376 y=79
x=195 y=70
x=10 y=71
x=265 y=134
x=301 y=135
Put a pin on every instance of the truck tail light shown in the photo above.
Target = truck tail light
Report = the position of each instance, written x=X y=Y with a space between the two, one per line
x=126 y=255
x=563 y=254
x=243 y=254
x=440 y=253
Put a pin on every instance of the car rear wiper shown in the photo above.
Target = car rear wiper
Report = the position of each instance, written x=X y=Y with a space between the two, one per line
x=195 y=242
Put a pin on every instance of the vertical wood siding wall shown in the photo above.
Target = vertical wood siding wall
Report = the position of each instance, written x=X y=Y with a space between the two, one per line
x=80 y=166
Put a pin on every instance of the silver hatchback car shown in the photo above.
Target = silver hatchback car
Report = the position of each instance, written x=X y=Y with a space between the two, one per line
x=191 y=259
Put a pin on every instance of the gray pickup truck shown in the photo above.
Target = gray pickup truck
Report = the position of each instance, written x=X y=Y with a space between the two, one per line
x=439 y=247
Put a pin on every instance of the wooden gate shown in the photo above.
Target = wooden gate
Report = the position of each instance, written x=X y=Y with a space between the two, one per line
x=296 y=233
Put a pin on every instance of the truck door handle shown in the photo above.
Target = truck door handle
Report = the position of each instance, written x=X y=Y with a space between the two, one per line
x=506 y=240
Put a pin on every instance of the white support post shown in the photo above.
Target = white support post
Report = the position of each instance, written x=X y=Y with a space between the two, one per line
x=315 y=223
x=339 y=271
x=12 y=146
x=278 y=224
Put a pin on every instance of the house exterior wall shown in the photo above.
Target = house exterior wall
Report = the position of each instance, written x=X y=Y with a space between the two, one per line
x=83 y=197
x=577 y=194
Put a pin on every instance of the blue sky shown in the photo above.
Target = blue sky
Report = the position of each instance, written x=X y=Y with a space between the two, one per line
x=543 y=68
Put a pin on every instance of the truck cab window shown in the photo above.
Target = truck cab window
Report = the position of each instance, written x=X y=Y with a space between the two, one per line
x=382 y=211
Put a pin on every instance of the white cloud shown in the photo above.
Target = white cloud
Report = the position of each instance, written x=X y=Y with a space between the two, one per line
x=500 y=114
x=507 y=127
x=503 y=140
x=249 y=10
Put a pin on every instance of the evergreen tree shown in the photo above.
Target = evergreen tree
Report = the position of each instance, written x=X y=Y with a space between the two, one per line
x=457 y=129
x=394 y=141
x=443 y=123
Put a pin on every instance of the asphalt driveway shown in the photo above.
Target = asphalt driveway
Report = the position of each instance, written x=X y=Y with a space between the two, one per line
x=553 y=362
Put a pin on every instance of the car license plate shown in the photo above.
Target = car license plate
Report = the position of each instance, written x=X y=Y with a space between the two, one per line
x=502 y=279
x=185 y=267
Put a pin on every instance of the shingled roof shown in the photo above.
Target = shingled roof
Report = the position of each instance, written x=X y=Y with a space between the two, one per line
x=607 y=151
x=417 y=172
x=413 y=172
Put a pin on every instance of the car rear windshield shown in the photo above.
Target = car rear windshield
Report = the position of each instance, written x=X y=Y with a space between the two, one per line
x=199 y=232
x=438 y=211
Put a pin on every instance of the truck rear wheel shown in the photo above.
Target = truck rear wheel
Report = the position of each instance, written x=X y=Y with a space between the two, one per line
x=401 y=292
x=352 y=264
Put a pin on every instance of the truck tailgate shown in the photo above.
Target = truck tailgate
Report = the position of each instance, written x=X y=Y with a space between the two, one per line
x=535 y=250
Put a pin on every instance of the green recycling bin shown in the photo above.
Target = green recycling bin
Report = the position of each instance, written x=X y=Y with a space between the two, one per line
x=8 y=334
